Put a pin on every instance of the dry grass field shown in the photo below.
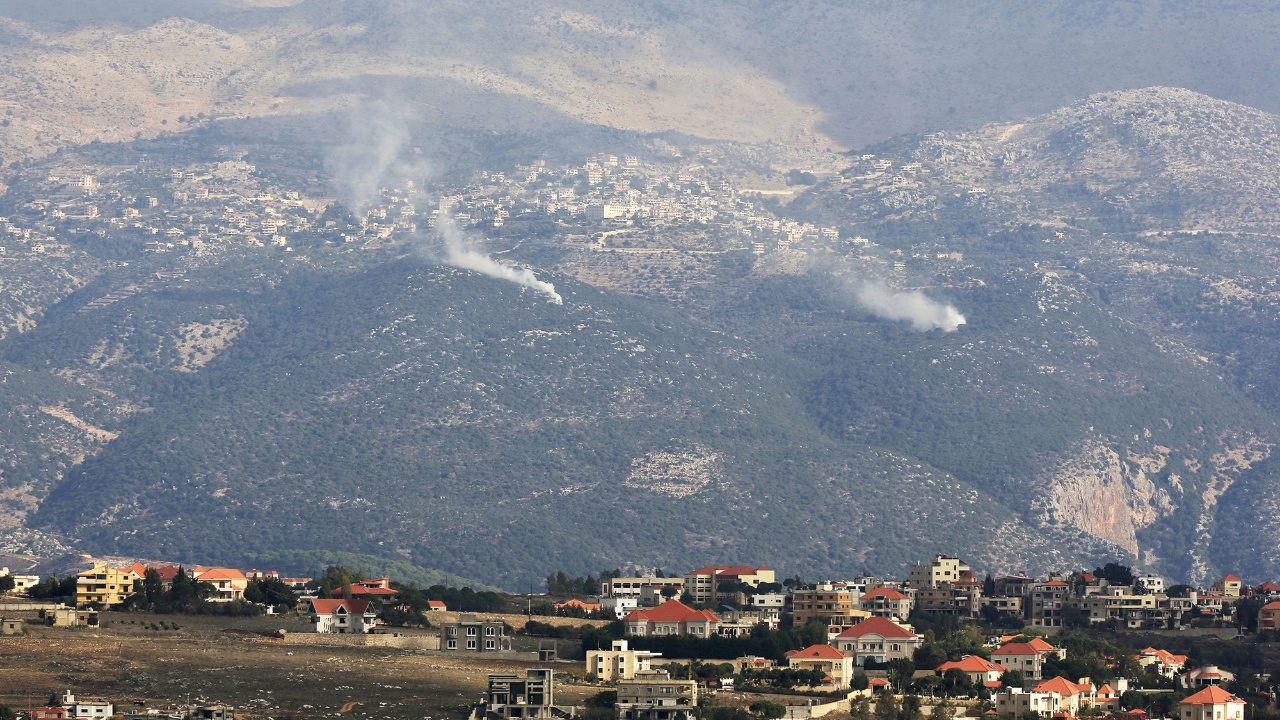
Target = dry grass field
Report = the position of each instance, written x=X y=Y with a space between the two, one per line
x=132 y=665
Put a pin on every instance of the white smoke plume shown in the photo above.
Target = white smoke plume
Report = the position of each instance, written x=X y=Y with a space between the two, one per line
x=375 y=157
x=460 y=252
x=375 y=154
x=922 y=311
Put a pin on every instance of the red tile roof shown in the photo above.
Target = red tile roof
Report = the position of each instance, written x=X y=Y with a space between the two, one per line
x=971 y=664
x=1273 y=605
x=1054 y=583
x=576 y=603
x=436 y=605
x=817 y=651
x=672 y=611
x=1267 y=586
x=221 y=574
x=1212 y=695
x=878 y=626
x=884 y=592
x=1229 y=578
x=330 y=606
x=1063 y=687
x=1022 y=648
x=361 y=590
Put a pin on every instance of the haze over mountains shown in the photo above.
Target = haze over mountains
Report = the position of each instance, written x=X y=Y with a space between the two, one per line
x=1093 y=185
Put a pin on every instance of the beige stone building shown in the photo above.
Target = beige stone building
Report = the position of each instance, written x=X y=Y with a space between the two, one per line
x=618 y=662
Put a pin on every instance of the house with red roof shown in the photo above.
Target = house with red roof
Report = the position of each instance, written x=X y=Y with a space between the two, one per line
x=1266 y=590
x=879 y=639
x=1021 y=656
x=703 y=584
x=228 y=583
x=1205 y=676
x=574 y=604
x=1269 y=617
x=836 y=667
x=436 y=606
x=1164 y=662
x=886 y=602
x=1212 y=703
x=1074 y=697
x=671 y=618
x=375 y=589
x=1107 y=699
x=1055 y=697
x=981 y=671
x=339 y=615
x=1229 y=586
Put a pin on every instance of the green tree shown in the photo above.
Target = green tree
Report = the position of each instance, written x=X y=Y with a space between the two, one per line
x=768 y=710
x=942 y=711
x=910 y=710
x=860 y=708
x=7 y=713
x=152 y=587
x=1013 y=679
x=860 y=681
x=886 y=707
x=1115 y=573
x=271 y=591
x=901 y=671
x=7 y=583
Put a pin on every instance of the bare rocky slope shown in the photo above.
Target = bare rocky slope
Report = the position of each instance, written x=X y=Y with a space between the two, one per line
x=827 y=73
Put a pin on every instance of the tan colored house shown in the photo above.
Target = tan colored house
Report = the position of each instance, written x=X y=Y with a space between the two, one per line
x=1230 y=586
x=1212 y=703
x=878 y=639
x=1026 y=657
x=1269 y=617
x=942 y=569
x=703 y=584
x=886 y=603
x=1166 y=663
x=672 y=618
x=831 y=605
x=1075 y=697
x=981 y=672
x=228 y=583
x=618 y=662
x=837 y=668
x=653 y=695
x=106 y=586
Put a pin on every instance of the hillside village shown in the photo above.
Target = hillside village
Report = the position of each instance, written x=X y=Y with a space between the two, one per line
x=1009 y=646
x=228 y=202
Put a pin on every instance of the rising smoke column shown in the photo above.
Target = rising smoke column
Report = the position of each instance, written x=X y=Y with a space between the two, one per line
x=461 y=253
x=378 y=135
x=922 y=311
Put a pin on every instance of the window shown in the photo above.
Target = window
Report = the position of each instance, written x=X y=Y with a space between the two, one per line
x=472 y=632
x=453 y=645
x=471 y=644
x=488 y=645
x=489 y=631
x=453 y=632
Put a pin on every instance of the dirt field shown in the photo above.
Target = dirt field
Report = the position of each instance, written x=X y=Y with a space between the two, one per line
x=129 y=663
